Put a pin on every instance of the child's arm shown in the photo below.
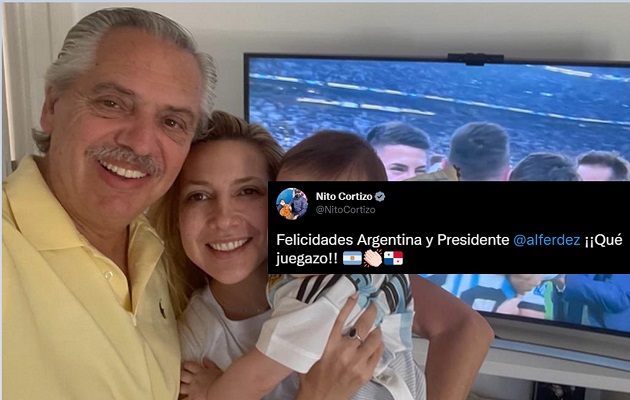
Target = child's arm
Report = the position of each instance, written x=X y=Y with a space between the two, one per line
x=251 y=376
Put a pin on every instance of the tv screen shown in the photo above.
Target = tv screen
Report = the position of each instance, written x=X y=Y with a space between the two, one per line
x=564 y=108
x=559 y=107
x=595 y=302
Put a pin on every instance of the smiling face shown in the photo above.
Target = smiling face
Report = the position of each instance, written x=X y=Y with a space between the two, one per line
x=223 y=209
x=401 y=161
x=121 y=131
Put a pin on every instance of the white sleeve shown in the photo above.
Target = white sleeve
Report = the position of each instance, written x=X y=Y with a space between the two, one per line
x=297 y=333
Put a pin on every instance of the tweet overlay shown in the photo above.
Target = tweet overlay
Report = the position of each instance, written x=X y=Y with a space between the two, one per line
x=412 y=227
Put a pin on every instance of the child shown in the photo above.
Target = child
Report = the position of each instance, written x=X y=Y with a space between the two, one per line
x=305 y=307
x=284 y=209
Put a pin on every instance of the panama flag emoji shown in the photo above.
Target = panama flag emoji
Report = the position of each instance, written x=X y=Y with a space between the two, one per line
x=352 y=258
x=393 y=258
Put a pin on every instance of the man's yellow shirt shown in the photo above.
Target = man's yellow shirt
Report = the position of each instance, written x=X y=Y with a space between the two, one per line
x=70 y=327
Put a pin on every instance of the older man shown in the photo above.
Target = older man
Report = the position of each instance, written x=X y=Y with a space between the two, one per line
x=86 y=310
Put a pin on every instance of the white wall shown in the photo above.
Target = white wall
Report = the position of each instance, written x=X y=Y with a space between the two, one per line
x=6 y=158
x=30 y=42
x=584 y=31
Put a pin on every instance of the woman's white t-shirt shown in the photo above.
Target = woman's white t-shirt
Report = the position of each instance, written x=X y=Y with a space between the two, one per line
x=205 y=332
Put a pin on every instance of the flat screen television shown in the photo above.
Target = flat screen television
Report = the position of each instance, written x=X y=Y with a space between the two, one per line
x=562 y=107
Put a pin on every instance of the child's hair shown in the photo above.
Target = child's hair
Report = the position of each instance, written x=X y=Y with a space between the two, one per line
x=335 y=155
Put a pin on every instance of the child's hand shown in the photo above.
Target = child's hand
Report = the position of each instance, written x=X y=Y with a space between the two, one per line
x=196 y=379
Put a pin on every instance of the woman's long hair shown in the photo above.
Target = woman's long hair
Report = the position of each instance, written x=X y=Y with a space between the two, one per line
x=184 y=277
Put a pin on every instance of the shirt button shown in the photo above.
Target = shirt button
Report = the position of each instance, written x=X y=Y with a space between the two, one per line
x=384 y=378
x=109 y=274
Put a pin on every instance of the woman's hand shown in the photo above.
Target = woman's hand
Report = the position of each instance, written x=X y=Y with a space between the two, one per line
x=197 y=378
x=347 y=364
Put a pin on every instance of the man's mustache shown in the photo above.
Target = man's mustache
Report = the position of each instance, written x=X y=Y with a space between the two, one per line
x=145 y=164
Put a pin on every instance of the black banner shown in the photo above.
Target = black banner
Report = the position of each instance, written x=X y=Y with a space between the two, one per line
x=414 y=227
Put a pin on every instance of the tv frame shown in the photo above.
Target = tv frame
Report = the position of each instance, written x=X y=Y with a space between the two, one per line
x=595 y=334
x=560 y=341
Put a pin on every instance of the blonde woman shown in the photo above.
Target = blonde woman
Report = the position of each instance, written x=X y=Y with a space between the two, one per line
x=214 y=223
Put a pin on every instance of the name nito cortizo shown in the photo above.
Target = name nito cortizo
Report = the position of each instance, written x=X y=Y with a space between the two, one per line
x=343 y=196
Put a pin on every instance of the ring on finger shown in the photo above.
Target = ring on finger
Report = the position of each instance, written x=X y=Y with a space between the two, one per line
x=353 y=334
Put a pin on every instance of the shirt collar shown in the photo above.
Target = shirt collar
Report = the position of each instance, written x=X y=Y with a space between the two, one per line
x=42 y=219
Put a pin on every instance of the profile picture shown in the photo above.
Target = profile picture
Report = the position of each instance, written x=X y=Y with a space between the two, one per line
x=292 y=203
